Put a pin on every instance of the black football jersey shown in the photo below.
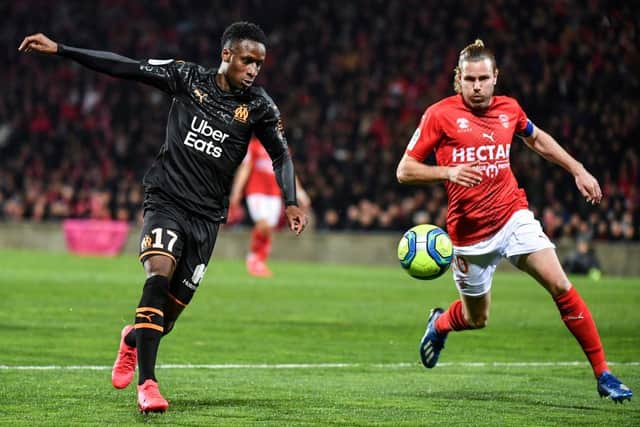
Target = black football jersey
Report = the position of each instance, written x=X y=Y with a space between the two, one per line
x=208 y=131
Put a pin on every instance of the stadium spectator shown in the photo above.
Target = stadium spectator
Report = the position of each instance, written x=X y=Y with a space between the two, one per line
x=213 y=114
x=583 y=260
x=488 y=218
x=355 y=96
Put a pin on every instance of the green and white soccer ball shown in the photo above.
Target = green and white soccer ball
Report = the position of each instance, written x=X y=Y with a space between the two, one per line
x=425 y=251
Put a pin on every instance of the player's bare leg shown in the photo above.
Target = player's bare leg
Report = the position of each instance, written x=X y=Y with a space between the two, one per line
x=545 y=267
x=476 y=310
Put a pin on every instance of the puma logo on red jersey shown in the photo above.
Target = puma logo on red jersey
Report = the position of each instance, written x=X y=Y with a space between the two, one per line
x=488 y=136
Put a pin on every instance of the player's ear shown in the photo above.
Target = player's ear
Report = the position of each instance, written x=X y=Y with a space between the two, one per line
x=226 y=54
x=495 y=77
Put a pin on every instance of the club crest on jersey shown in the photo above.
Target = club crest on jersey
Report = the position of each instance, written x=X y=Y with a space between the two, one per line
x=145 y=243
x=461 y=264
x=463 y=124
x=241 y=114
x=200 y=95
x=504 y=119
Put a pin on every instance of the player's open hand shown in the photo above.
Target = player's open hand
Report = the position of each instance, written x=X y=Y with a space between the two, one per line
x=466 y=175
x=38 y=43
x=588 y=187
x=297 y=219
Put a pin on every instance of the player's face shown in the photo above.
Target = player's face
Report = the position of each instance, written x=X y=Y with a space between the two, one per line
x=243 y=62
x=478 y=80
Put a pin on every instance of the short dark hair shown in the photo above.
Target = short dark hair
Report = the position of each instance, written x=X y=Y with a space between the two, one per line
x=242 y=30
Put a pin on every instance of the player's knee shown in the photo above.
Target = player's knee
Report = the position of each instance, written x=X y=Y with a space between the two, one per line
x=159 y=265
x=559 y=287
x=263 y=227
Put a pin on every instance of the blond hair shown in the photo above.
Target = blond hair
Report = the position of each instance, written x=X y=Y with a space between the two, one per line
x=476 y=51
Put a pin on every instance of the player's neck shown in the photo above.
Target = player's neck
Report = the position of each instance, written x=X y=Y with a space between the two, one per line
x=222 y=82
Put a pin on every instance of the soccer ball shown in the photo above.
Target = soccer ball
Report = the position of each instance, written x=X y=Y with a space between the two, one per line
x=425 y=251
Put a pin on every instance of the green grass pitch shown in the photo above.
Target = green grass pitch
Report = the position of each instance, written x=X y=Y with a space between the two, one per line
x=314 y=345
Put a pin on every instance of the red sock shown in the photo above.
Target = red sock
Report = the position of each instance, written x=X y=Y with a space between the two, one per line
x=266 y=247
x=256 y=241
x=576 y=316
x=452 y=319
x=260 y=244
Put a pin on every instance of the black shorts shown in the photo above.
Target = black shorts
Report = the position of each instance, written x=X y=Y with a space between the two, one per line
x=187 y=239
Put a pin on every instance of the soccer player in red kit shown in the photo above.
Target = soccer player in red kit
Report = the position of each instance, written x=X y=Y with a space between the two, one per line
x=488 y=217
x=255 y=176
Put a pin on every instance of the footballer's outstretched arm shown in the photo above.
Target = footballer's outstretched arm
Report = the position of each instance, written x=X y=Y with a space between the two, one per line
x=102 y=61
x=545 y=145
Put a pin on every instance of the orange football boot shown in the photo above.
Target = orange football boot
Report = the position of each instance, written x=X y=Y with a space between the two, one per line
x=125 y=364
x=150 y=399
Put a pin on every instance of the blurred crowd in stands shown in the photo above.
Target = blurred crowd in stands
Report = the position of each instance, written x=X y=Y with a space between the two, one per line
x=351 y=79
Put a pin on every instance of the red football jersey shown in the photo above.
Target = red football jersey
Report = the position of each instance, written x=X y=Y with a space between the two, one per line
x=262 y=179
x=458 y=135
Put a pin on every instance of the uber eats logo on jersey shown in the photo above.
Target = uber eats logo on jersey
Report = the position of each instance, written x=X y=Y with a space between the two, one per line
x=204 y=138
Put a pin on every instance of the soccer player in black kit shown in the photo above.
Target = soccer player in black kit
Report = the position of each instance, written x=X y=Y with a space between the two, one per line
x=212 y=117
